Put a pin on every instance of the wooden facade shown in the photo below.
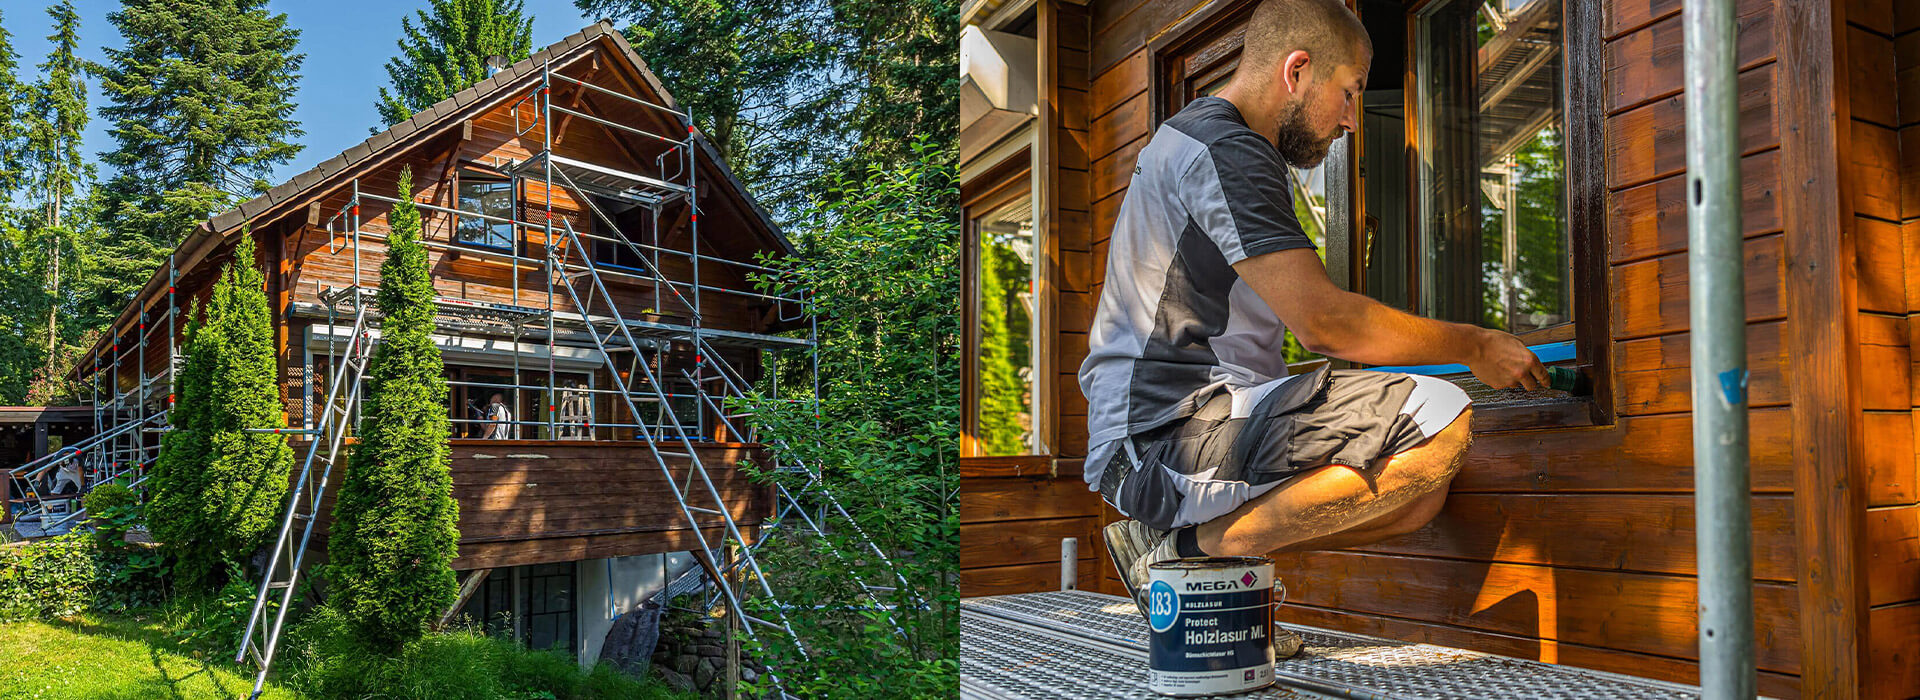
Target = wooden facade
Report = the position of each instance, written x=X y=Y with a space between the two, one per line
x=596 y=493
x=1568 y=536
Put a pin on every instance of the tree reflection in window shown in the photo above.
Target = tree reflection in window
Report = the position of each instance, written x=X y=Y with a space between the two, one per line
x=492 y=197
x=1492 y=207
x=1005 y=360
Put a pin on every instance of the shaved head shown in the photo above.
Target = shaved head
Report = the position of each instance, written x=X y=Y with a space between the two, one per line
x=1325 y=29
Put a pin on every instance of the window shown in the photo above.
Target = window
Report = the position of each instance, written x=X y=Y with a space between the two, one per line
x=1473 y=191
x=490 y=196
x=1492 y=214
x=1000 y=394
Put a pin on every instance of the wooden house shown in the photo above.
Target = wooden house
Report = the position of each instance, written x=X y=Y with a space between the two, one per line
x=558 y=494
x=1520 y=164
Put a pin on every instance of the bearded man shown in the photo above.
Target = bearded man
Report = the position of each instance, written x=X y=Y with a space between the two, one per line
x=1196 y=431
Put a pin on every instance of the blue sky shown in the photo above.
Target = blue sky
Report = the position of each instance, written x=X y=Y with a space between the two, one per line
x=347 y=43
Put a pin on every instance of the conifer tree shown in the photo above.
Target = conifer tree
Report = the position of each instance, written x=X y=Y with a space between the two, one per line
x=394 y=524
x=55 y=166
x=218 y=486
x=12 y=99
x=199 y=102
x=447 y=52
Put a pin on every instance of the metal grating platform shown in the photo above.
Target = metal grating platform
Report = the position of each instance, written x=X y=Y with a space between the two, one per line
x=1079 y=644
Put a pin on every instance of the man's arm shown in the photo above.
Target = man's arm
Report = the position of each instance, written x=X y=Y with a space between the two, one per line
x=1332 y=321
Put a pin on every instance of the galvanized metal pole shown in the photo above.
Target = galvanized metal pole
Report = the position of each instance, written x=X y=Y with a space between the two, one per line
x=1717 y=312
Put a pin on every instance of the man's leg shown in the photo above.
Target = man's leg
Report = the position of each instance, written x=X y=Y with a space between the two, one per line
x=1334 y=506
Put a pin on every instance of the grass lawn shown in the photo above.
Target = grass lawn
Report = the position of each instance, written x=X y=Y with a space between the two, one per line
x=112 y=657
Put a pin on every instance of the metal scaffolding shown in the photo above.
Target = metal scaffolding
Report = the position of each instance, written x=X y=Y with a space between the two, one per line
x=671 y=372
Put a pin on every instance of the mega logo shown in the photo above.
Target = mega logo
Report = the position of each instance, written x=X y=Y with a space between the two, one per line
x=1210 y=586
x=1163 y=606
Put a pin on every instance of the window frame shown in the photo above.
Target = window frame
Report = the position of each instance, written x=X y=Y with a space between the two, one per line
x=1207 y=34
x=994 y=188
x=481 y=173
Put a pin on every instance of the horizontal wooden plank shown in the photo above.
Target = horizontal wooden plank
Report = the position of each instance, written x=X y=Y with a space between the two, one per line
x=1031 y=466
x=1874 y=162
x=1023 y=578
x=1655 y=374
x=1893 y=555
x=1886 y=373
x=1881 y=274
x=1127 y=122
x=1635 y=533
x=1644 y=613
x=1869 y=66
x=487 y=555
x=1106 y=211
x=1124 y=80
x=1112 y=172
x=1776 y=685
x=1890 y=458
x=1624 y=16
x=1651 y=219
x=1031 y=542
x=1649 y=142
x=1650 y=296
x=1647 y=63
x=1893 y=660
x=1638 y=453
x=995 y=500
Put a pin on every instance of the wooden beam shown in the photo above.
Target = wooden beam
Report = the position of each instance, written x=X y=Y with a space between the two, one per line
x=1829 y=496
x=467 y=589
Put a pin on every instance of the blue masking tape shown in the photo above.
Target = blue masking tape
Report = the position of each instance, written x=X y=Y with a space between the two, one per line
x=1733 y=386
x=1547 y=352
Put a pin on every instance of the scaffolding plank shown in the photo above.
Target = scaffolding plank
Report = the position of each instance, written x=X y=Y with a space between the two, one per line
x=1079 y=644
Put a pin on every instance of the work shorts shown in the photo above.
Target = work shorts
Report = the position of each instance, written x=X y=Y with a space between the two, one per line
x=1245 y=441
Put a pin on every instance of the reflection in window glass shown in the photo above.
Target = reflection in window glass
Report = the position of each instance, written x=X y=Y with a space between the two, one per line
x=491 y=197
x=1492 y=210
x=1004 y=359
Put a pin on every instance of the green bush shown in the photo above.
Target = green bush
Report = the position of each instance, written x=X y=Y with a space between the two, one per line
x=113 y=508
x=883 y=265
x=325 y=657
x=71 y=574
x=394 y=534
x=217 y=488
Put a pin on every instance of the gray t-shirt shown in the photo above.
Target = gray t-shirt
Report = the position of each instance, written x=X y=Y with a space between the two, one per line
x=1175 y=320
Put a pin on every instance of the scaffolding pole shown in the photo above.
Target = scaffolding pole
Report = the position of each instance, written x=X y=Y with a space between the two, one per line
x=1717 y=313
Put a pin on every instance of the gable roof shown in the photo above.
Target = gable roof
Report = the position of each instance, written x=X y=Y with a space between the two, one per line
x=208 y=238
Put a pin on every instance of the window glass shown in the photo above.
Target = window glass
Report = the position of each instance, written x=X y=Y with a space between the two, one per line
x=490 y=196
x=1003 y=359
x=1492 y=212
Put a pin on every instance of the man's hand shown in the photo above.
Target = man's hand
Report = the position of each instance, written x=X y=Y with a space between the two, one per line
x=1503 y=362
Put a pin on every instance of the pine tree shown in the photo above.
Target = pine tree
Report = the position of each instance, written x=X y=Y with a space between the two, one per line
x=12 y=107
x=199 y=102
x=217 y=487
x=448 y=51
x=55 y=164
x=394 y=525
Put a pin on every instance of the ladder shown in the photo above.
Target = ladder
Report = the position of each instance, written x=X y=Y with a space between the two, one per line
x=304 y=503
x=815 y=486
x=653 y=389
x=111 y=454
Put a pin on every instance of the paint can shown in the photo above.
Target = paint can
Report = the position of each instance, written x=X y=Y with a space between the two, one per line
x=1212 y=625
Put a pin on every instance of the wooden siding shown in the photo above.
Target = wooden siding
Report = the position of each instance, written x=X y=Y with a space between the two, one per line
x=1576 y=545
x=1882 y=38
x=539 y=502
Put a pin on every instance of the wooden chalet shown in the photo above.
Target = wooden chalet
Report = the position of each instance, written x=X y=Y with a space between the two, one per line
x=565 y=504
x=1521 y=164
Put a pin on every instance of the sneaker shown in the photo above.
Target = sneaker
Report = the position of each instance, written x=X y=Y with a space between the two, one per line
x=1133 y=547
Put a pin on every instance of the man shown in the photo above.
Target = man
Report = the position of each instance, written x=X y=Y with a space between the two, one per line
x=499 y=425
x=1196 y=432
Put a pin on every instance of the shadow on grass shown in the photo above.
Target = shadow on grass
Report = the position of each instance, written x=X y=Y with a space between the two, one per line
x=166 y=656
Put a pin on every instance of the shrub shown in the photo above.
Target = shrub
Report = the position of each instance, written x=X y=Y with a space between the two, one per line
x=113 y=509
x=882 y=264
x=218 y=488
x=393 y=536
x=71 y=574
x=326 y=658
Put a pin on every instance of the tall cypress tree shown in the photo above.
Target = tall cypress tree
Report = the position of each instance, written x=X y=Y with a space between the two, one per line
x=217 y=487
x=394 y=525
x=55 y=165
x=199 y=99
x=448 y=51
